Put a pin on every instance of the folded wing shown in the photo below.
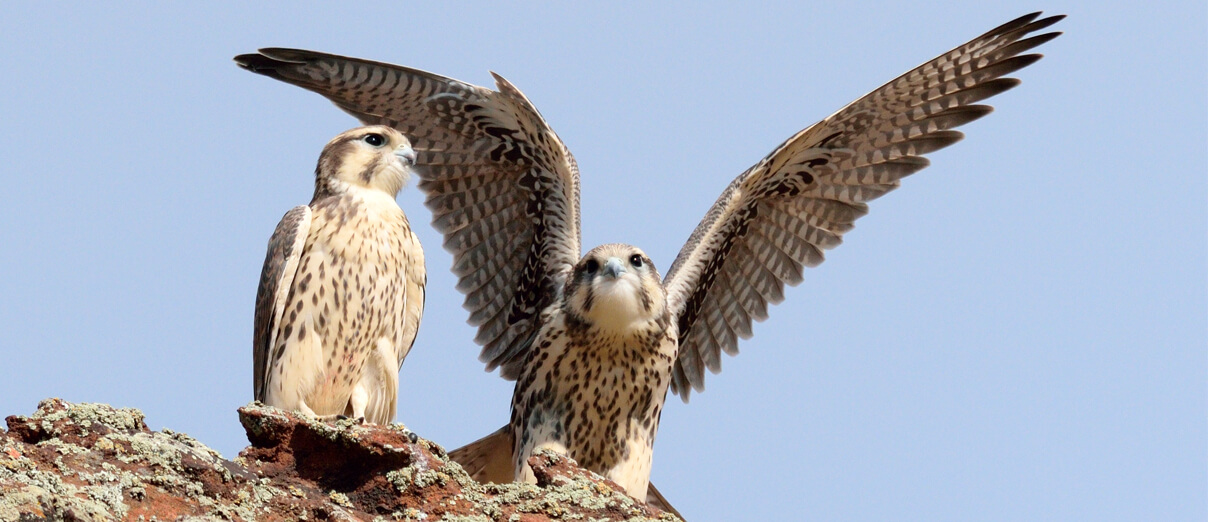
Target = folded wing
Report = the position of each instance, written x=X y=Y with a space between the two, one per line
x=276 y=278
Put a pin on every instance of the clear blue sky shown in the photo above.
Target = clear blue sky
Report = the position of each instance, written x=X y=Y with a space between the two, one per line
x=1019 y=333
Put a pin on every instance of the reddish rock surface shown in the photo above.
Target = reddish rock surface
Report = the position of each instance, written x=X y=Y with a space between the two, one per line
x=95 y=462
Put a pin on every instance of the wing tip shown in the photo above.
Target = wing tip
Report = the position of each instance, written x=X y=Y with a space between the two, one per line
x=286 y=54
x=1024 y=24
x=1043 y=38
x=682 y=391
x=1046 y=22
x=1012 y=25
x=252 y=61
x=268 y=60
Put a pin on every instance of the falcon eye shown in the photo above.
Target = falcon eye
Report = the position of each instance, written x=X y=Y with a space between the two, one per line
x=591 y=265
x=636 y=261
x=374 y=139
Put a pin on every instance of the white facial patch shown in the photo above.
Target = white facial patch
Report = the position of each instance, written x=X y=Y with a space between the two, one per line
x=617 y=304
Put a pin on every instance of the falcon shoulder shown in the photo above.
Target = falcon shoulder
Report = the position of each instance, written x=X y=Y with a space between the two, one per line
x=276 y=278
x=503 y=188
x=782 y=213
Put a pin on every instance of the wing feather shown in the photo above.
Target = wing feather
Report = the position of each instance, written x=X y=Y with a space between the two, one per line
x=503 y=188
x=492 y=210
x=736 y=312
x=770 y=253
x=782 y=213
x=489 y=295
x=719 y=336
x=465 y=194
x=276 y=277
x=494 y=252
x=754 y=305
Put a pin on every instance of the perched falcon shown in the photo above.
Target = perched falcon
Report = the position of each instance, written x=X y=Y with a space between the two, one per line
x=342 y=289
x=595 y=342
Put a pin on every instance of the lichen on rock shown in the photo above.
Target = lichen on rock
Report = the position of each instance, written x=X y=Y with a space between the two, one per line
x=95 y=462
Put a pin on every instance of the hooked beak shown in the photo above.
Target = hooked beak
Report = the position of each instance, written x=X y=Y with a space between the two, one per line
x=406 y=154
x=613 y=268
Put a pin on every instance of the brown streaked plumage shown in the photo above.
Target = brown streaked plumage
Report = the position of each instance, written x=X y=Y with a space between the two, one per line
x=594 y=383
x=342 y=289
x=504 y=191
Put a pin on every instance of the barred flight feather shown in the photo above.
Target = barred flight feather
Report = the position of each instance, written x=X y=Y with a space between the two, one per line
x=811 y=188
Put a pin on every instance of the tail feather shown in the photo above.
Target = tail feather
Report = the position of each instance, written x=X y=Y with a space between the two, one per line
x=489 y=459
x=656 y=499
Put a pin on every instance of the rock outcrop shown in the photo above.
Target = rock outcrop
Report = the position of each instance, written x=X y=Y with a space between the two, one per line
x=95 y=462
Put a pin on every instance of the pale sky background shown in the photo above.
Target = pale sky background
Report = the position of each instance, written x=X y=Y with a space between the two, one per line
x=1019 y=333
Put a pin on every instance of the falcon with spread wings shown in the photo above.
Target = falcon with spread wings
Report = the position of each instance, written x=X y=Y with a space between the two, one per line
x=595 y=342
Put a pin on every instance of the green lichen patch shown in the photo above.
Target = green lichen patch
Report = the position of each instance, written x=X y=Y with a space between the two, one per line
x=95 y=462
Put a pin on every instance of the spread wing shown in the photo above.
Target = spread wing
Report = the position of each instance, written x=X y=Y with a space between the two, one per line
x=503 y=188
x=783 y=212
x=277 y=276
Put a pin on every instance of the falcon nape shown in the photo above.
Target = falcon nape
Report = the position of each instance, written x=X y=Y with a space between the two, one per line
x=595 y=342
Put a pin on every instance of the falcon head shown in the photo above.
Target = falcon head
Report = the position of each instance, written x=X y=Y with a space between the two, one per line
x=615 y=287
x=375 y=157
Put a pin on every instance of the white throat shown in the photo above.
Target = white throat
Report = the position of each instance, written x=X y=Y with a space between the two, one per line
x=617 y=305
